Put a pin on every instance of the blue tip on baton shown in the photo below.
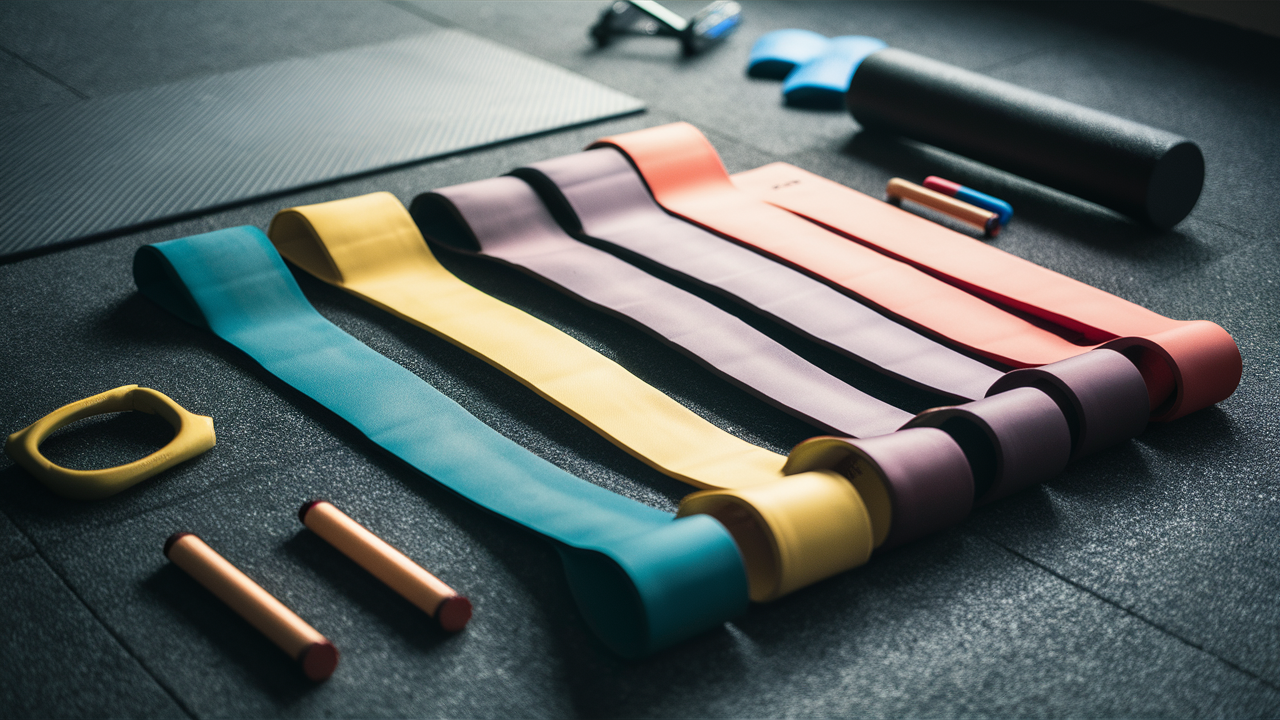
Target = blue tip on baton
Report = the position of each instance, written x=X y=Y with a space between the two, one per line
x=967 y=194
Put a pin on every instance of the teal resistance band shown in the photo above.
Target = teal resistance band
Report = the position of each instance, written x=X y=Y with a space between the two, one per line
x=642 y=579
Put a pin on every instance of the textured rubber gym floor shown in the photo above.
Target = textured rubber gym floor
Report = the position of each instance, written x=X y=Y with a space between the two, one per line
x=1142 y=582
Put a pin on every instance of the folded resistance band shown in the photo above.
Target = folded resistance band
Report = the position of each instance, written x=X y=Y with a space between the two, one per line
x=503 y=219
x=1188 y=364
x=598 y=198
x=642 y=580
x=686 y=177
x=792 y=531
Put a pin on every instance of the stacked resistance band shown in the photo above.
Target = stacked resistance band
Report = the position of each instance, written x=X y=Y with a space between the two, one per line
x=791 y=520
x=1010 y=438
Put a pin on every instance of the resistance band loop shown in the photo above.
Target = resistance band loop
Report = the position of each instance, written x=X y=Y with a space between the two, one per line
x=642 y=581
x=1201 y=363
x=598 y=197
x=503 y=219
x=792 y=531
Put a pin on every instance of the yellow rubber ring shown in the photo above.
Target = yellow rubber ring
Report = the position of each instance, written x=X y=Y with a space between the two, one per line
x=194 y=436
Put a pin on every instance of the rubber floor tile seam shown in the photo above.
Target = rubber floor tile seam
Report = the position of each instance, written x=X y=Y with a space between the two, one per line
x=177 y=699
x=1132 y=613
x=43 y=73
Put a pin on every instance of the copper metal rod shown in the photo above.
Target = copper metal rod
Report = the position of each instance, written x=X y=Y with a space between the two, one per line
x=387 y=564
x=281 y=625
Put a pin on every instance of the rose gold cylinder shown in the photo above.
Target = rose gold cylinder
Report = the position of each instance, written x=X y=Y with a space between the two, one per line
x=387 y=564
x=281 y=625
x=985 y=220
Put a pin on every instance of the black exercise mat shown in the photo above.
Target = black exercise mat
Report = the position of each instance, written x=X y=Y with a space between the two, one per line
x=80 y=170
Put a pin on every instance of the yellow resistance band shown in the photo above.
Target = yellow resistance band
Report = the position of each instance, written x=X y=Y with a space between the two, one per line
x=792 y=531
x=194 y=435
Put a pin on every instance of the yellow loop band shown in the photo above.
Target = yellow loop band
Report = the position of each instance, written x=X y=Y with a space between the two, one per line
x=371 y=247
x=194 y=436
x=793 y=531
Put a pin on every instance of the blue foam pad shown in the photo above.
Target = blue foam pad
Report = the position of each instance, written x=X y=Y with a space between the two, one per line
x=823 y=80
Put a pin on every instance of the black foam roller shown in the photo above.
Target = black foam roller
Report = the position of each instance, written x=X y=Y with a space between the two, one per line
x=1150 y=175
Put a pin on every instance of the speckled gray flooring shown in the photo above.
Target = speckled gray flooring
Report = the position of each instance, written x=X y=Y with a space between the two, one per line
x=1142 y=582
